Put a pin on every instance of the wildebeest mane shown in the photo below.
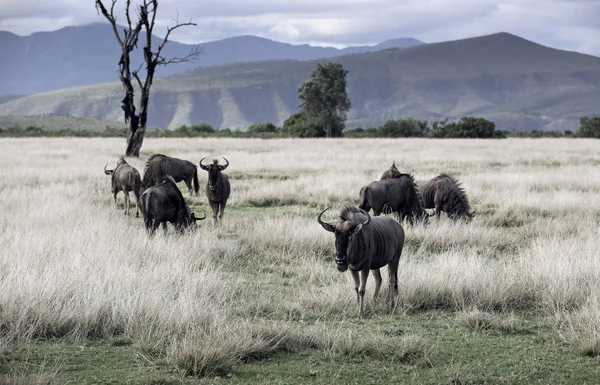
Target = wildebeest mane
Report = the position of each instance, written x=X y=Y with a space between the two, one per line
x=351 y=214
x=460 y=192
x=167 y=179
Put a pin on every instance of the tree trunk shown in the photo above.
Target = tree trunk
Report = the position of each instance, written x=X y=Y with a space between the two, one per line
x=135 y=137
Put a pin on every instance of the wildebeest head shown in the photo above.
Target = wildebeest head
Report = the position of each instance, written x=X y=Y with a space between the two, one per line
x=391 y=173
x=214 y=172
x=188 y=222
x=351 y=221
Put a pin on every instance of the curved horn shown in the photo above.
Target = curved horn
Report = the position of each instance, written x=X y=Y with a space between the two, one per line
x=326 y=226
x=205 y=168
x=199 y=219
x=225 y=166
x=107 y=172
x=432 y=214
x=368 y=217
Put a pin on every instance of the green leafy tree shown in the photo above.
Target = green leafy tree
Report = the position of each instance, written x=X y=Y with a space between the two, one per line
x=589 y=127
x=325 y=102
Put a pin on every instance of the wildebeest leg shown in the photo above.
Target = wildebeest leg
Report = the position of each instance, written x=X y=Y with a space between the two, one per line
x=393 y=277
x=364 y=275
x=126 y=202
x=137 y=206
x=437 y=211
x=377 y=277
x=164 y=225
x=188 y=183
x=149 y=226
x=356 y=284
x=215 y=210
x=115 y=192
x=221 y=211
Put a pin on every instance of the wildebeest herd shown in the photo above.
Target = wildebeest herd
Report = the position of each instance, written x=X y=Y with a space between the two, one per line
x=161 y=201
x=363 y=243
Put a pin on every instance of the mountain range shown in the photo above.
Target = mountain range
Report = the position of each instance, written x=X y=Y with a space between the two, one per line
x=86 y=55
x=519 y=84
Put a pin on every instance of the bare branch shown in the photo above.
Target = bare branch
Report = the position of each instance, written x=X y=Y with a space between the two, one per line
x=127 y=7
x=110 y=17
x=191 y=56
x=136 y=76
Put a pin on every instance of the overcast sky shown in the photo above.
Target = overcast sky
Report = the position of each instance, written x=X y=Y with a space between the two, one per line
x=565 y=24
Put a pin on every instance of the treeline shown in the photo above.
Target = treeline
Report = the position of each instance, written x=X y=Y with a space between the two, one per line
x=296 y=126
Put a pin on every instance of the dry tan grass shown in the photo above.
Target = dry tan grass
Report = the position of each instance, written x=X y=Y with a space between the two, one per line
x=75 y=266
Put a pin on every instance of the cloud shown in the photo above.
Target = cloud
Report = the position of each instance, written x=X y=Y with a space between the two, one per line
x=565 y=24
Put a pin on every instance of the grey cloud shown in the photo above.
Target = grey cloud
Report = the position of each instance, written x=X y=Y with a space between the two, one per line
x=566 y=24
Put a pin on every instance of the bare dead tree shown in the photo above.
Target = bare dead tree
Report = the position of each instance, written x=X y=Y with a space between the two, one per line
x=146 y=17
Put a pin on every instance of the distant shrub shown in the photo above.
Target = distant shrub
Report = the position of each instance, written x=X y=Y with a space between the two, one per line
x=190 y=131
x=404 y=128
x=299 y=126
x=466 y=127
x=261 y=128
x=589 y=127
x=540 y=134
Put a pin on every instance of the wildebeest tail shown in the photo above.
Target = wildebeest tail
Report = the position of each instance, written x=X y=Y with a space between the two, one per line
x=196 y=183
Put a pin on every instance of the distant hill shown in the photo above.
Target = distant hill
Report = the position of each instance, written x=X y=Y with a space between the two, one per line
x=86 y=55
x=56 y=122
x=519 y=84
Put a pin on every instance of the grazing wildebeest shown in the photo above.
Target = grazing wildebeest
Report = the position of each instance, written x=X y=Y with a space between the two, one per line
x=444 y=193
x=391 y=173
x=164 y=203
x=125 y=178
x=217 y=188
x=366 y=244
x=159 y=165
x=400 y=195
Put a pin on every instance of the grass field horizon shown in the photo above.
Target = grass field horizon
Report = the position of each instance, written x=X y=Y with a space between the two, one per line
x=87 y=297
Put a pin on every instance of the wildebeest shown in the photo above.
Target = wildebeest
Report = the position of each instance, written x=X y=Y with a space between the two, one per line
x=159 y=165
x=400 y=195
x=366 y=244
x=217 y=188
x=391 y=173
x=125 y=178
x=445 y=193
x=164 y=203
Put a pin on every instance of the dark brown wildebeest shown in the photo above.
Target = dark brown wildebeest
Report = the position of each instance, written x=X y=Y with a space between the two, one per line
x=164 y=203
x=158 y=166
x=125 y=178
x=217 y=188
x=364 y=245
x=391 y=173
x=445 y=193
x=400 y=195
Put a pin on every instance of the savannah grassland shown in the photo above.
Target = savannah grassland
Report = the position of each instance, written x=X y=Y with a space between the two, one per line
x=513 y=297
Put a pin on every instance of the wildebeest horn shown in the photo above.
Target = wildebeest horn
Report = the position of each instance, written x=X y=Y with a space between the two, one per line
x=107 y=172
x=203 y=166
x=368 y=217
x=326 y=226
x=199 y=219
x=225 y=166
